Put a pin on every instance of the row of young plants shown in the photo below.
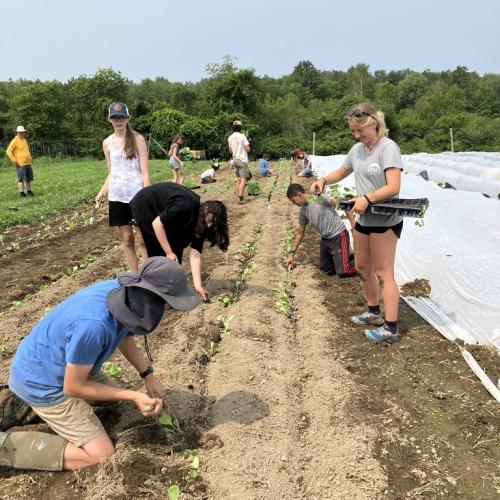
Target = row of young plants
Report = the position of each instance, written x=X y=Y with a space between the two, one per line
x=284 y=300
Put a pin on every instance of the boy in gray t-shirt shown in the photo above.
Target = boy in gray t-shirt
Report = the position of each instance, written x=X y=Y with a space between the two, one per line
x=321 y=214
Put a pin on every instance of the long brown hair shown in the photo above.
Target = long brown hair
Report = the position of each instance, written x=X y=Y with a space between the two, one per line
x=130 y=146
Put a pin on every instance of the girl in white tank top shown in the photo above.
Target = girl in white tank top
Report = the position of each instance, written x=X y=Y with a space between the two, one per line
x=127 y=160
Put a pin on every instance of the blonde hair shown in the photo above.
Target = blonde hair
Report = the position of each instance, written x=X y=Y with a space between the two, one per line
x=371 y=115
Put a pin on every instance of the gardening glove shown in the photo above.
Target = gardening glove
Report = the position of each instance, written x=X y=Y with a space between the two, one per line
x=154 y=388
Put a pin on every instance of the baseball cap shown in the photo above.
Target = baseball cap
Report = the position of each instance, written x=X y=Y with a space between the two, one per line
x=118 y=109
x=237 y=122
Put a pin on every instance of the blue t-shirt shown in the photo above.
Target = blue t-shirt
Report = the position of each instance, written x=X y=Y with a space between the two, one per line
x=80 y=331
x=263 y=166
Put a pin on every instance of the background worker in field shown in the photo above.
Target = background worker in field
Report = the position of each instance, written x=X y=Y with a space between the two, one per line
x=334 y=253
x=171 y=217
x=126 y=156
x=19 y=153
x=239 y=148
x=57 y=367
x=176 y=164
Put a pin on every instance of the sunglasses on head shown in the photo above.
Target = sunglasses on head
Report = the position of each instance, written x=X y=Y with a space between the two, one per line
x=357 y=113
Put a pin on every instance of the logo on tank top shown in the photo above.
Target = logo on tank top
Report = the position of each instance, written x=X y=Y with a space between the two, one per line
x=374 y=168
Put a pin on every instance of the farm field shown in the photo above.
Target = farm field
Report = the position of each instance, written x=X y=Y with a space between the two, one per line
x=282 y=398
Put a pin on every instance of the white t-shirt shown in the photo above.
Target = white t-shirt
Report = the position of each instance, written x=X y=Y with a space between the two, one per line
x=208 y=173
x=237 y=142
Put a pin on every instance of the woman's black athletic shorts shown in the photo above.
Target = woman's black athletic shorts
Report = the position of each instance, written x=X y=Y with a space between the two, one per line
x=379 y=229
x=120 y=214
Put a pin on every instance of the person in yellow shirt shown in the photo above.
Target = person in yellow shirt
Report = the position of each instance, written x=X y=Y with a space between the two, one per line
x=19 y=153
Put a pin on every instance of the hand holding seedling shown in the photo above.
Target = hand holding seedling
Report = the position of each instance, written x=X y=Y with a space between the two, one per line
x=318 y=186
x=202 y=293
x=148 y=406
x=172 y=256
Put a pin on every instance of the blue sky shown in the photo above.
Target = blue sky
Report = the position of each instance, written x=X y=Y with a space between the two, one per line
x=59 y=39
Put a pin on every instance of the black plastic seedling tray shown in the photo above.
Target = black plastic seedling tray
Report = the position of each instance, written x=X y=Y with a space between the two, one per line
x=404 y=207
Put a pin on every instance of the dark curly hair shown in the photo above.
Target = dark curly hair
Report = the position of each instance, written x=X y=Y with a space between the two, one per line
x=218 y=232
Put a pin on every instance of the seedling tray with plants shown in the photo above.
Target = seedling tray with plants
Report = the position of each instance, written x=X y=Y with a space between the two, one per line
x=404 y=207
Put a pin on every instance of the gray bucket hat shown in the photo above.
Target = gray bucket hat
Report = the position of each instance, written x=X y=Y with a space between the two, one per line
x=165 y=278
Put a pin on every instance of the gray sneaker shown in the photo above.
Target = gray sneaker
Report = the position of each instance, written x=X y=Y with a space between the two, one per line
x=368 y=318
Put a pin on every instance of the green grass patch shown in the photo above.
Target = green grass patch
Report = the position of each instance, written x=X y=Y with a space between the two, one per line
x=62 y=184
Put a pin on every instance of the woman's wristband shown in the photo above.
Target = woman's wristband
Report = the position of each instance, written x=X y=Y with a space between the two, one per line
x=366 y=198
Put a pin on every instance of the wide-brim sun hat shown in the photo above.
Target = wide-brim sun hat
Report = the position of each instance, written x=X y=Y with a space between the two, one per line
x=20 y=128
x=165 y=278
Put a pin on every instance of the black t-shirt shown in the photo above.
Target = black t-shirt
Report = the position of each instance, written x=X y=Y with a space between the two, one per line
x=178 y=208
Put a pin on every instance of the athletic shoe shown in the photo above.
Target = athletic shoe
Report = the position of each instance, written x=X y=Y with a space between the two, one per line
x=30 y=193
x=22 y=194
x=368 y=318
x=382 y=334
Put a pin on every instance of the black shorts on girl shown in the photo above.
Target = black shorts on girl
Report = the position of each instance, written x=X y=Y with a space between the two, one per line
x=120 y=214
x=379 y=229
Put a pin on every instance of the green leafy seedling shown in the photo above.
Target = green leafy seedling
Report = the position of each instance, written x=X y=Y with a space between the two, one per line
x=173 y=492
x=224 y=299
x=169 y=424
x=248 y=271
x=113 y=370
x=214 y=349
x=194 y=465
x=224 y=324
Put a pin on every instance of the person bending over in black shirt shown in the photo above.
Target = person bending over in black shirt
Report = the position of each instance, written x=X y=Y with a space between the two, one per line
x=171 y=218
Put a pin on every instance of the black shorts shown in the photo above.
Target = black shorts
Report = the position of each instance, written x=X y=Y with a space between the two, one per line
x=207 y=180
x=379 y=229
x=334 y=257
x=120 y=214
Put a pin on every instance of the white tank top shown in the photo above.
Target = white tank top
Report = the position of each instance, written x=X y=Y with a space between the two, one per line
x=125 y=177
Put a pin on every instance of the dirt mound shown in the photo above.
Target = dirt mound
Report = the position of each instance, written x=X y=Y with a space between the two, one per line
x=417 y=288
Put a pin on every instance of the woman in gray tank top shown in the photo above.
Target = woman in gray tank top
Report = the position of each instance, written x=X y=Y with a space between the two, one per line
x=376 y=163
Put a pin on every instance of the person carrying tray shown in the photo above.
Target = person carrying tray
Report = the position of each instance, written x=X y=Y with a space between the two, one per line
x=57 y=367
x=377 y=164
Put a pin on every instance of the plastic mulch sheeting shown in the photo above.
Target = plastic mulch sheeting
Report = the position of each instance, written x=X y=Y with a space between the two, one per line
x=457 y=250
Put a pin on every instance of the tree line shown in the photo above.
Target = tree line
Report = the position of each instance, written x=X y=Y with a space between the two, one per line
x=278 y=113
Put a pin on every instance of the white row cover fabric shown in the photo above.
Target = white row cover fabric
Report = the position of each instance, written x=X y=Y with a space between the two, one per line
x=478 y=172
x=457 y=251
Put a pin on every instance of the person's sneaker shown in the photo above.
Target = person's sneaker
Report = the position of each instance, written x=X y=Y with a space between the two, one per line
x=30 y=193
x=22 y=194
x=382 y=334
x=368 y=318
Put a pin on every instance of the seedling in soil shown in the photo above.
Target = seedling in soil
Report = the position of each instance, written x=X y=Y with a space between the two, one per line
x=47 y=310
x=173 y=492
x=253 y=188
x=284 y=305
x=224 y=299
x=194 y=466
x=169 y=424
x=214 y=349
x=224 y=324
x=248 y=271
x=113 y=371
x=239 y=258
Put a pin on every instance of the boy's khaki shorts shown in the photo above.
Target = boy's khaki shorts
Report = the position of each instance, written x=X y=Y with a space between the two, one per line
x=74 y=419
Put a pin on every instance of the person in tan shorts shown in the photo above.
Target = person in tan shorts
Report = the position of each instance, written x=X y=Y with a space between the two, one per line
x=57 y=367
